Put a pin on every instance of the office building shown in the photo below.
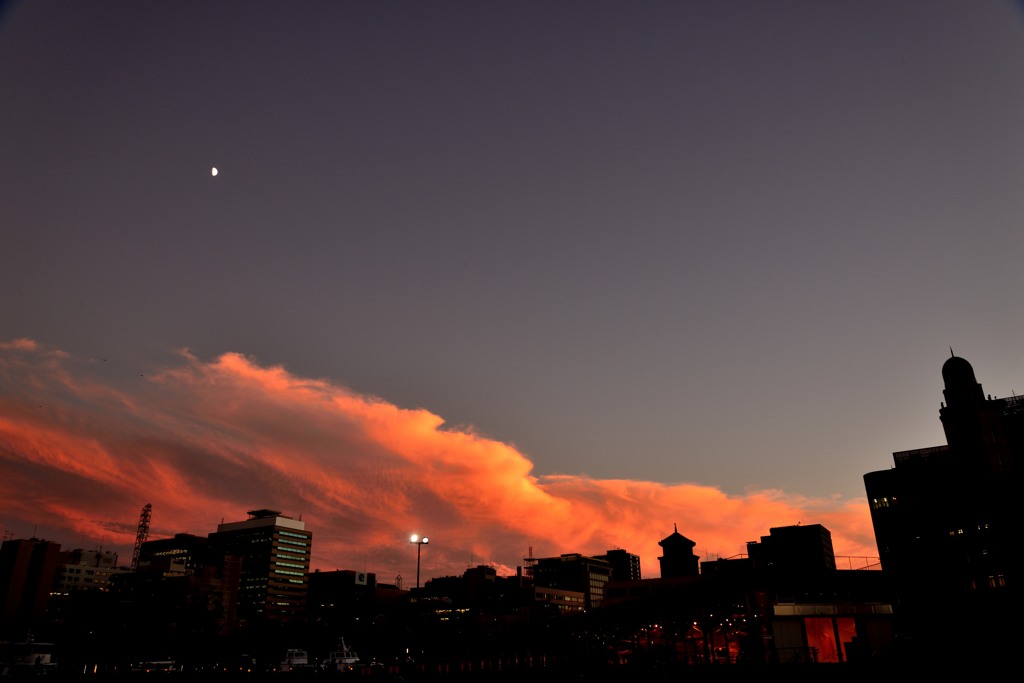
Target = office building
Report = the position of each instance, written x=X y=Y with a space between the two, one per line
x=86 y=570
x=180 y=555
x=275 y=553
x=574 y=572
x=340 y=597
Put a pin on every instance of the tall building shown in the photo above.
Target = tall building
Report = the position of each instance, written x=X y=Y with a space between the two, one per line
x=27 y=570
x=275 y=553
x=947 y=521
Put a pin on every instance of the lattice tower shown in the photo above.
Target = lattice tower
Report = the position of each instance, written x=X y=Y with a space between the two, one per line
x=143 y=532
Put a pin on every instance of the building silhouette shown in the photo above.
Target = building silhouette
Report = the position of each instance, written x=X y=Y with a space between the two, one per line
x=180 y=555
x=948 y=523
x=341 y=596
x=796 y=550
x=625 y=565
x=784 y=602
x=678 y=558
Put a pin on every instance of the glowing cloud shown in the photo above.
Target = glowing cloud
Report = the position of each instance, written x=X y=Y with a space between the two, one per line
x=204 y=441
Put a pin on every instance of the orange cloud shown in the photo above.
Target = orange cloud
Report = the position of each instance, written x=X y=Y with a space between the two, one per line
x=20 y=345
x=81 y=453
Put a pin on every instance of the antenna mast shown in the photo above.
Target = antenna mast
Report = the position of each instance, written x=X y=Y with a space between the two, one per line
x=142 y=534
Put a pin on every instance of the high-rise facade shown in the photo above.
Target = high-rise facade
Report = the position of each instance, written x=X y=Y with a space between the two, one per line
x=275 y=553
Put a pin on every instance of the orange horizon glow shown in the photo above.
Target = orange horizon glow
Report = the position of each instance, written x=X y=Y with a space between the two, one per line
x=204 y=442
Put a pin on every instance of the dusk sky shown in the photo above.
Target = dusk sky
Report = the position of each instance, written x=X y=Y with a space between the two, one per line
x=512 y=275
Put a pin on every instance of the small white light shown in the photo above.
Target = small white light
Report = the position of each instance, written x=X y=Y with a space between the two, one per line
x=213 y=171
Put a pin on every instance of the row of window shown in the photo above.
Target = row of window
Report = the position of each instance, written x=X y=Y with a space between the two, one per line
x=291 y=546
x=284 y=571
x=289 y=564
x=959 y=532
x=996 y=581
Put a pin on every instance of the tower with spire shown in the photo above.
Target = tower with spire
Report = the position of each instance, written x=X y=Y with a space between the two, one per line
x=947 y=519
x=678 y=558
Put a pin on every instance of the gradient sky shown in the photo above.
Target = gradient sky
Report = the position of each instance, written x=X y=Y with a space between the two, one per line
x=513 y=275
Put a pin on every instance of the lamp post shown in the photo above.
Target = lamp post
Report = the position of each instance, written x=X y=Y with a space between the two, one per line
x=420 y=542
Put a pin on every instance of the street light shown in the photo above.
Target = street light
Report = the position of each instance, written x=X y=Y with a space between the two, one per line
x=420 y=542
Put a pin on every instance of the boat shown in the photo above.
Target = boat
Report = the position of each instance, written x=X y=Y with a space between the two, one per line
x=295 y=659
x=343 y=658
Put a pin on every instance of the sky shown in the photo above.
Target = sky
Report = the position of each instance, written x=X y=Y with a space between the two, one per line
x=527 y=278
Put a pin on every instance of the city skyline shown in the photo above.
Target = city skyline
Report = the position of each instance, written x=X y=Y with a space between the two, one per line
x=194 y=438
x=537 y=275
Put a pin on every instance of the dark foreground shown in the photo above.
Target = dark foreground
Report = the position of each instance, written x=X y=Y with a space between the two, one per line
x=849 y=671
